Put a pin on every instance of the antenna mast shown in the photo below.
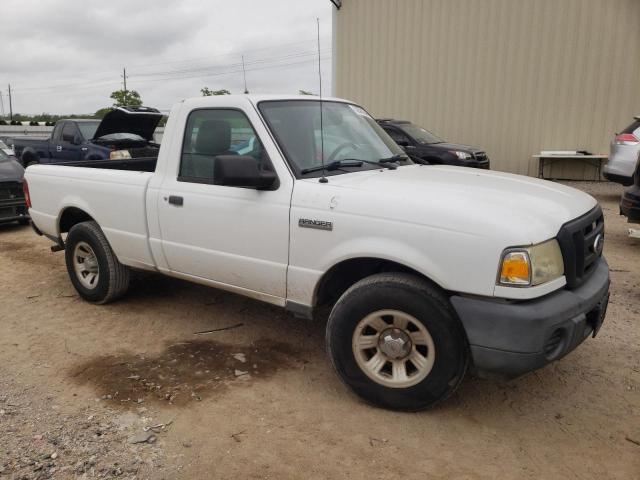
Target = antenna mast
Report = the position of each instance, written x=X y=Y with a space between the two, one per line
x=244 y=76
x=323 y=179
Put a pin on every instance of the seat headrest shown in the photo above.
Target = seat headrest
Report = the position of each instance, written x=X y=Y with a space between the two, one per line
x=214 y=137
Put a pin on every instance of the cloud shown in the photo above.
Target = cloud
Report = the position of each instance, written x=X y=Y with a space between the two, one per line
x=67 y=56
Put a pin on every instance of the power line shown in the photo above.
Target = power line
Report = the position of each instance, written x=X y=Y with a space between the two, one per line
x=271 y=62
x=106 y=80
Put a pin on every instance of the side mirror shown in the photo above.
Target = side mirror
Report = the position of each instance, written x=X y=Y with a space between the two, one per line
x=242 y=171
x=76 y=141
x=403 y=142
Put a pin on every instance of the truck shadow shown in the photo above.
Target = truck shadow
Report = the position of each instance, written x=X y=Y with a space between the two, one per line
x=183 y=372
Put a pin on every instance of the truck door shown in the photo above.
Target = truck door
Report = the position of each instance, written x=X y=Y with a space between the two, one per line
x=234 y=236
x=68 y=148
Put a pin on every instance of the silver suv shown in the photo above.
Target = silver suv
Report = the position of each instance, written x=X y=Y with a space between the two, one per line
x=624 y=155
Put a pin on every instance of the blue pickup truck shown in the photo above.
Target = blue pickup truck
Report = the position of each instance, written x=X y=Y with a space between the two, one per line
x=123 y=133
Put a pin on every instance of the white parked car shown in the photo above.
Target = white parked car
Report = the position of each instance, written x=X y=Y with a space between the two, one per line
x=430 y=270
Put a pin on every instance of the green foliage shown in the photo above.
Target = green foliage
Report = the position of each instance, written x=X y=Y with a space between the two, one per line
x=2 y=122
x=305 y=92
x=210 y=93
x=102 y=112
x=126 y=98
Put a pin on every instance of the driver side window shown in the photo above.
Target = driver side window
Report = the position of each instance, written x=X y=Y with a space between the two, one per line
x=213 y=132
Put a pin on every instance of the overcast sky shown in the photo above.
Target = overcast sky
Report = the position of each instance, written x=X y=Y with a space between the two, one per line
x=67 y=56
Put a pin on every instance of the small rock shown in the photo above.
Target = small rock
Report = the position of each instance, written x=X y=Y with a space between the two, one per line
x=54 y=455
x=142 y=437
x=186 y=444
x=240 y=357
x=239 y=373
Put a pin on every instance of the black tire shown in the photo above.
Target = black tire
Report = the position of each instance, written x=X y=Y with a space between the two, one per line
x=29 y=159
x=424 y=302
x=113 y=278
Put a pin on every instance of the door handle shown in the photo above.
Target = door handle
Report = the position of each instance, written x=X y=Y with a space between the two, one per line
x=176 y=200
x=59 y=148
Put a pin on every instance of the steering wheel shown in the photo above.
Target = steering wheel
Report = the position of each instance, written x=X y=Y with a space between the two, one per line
x=339 y=148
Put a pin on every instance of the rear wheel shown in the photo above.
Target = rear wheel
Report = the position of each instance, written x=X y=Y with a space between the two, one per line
x=395 y=341
x=93 y=268
x=29 y=159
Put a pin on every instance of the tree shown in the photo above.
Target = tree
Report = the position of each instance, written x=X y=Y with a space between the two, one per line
x=102 y=112
x=126 y=98
x=209 y=93
x=305 y=92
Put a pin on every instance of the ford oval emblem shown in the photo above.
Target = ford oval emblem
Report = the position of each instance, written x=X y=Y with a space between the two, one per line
x=598 y=244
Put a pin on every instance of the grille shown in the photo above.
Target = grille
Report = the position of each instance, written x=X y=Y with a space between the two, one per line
x=10 y=191
x=481 y=156
x=12 y=202
x=580 y=249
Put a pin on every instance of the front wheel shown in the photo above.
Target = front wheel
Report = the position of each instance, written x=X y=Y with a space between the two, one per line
x=93 y=268
x=395 y=341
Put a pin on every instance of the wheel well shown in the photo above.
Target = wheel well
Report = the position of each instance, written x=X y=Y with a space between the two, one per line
x=341 y=276
x=72 y=216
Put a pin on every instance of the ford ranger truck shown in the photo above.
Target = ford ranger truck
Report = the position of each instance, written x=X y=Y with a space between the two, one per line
x=430 y=271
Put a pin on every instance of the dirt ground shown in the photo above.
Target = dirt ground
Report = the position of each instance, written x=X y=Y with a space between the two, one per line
x=80 y=383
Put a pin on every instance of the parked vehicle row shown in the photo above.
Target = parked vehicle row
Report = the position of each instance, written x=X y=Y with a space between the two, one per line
x=424 y=145
x=124 y=132
x=429 y=270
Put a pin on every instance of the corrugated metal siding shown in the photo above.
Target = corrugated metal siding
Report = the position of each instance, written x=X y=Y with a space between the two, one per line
x=511 y=76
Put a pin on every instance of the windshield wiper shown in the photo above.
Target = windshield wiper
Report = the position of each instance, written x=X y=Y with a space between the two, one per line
x=395 y=158
x=348 y=162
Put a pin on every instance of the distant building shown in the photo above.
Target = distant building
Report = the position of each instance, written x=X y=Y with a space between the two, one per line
x=513 y=77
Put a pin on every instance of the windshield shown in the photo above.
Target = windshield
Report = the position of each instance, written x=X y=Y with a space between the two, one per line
x=349 y=133
x=3 y=156
x=419 y=134
x=88 y=129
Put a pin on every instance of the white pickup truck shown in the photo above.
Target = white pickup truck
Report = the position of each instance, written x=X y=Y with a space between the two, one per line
x=430 y=271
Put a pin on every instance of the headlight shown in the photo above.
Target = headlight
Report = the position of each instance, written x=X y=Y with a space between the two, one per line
x=529 y=266
x=119 y=155
x=461 y=155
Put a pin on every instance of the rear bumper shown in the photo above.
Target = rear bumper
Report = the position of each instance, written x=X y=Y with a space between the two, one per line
x=512 y=338
x=616 y=178
x=630 y=204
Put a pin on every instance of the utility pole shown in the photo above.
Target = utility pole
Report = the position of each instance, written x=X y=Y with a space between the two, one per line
x=124 y=76
x=10 y=106
x=1 y=104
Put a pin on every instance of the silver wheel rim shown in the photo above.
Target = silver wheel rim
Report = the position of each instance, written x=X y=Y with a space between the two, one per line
x=85 y=264
x=393 y=348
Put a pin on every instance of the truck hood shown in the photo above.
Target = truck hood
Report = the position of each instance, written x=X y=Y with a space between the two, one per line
x=11 y=171
x=137 y=120
x=456 y=146
x=515 y=208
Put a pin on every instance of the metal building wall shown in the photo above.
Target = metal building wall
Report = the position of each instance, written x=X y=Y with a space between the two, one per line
x=511 y=76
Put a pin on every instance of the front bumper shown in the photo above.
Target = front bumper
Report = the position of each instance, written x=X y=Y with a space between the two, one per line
x=512 y=338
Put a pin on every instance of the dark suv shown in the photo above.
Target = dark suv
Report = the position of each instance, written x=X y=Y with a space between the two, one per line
x=423 y=144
